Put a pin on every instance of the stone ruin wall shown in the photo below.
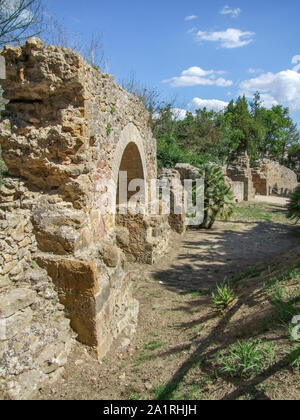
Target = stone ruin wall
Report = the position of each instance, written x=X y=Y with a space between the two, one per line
x=64 y=131
x=240 y=172
x=271 y=178
x=35 y=335
x=265 y=178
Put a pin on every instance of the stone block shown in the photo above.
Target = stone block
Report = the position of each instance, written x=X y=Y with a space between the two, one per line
x=111 y=256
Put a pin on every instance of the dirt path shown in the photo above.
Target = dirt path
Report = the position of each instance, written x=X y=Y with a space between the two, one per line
x=178 y=327
x=282 y=201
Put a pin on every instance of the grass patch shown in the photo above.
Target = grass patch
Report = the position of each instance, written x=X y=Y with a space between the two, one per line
x=144 y=353
x=244 y=360
x=249 y=212
x=283 y=291
x=109 y=129
x=175 y=390
x=246 y=397
x=294 y=357
x=249 y=274
x=195 y=293
x=167 y=392
x=134 y=396
x=260 y=212
x=153 y=345
x=178 y=392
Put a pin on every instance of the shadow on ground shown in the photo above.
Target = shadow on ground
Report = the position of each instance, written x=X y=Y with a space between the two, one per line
x=207 y=258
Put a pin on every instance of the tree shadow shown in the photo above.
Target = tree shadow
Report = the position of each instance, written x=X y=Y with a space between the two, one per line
x=208 y=258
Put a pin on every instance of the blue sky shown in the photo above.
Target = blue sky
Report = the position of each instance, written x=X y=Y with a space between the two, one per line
x=204 y=52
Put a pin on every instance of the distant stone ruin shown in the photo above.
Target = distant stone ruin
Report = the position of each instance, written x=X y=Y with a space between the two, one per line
x=264 y=178
x=240 y=172
x=66 y=130
x=271 y=178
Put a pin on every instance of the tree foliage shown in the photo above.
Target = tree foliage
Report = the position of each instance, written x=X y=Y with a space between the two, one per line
x=243 y=127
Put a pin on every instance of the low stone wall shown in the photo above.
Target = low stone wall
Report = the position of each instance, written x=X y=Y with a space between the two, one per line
x=174 y=178
x=271 y=178
x=142 y=238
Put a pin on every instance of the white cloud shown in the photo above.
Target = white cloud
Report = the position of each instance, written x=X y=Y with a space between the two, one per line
x=179 y=114
x=209 y=104
x=192 y=30
x=197 y=76
x=276 y=88
x=192 y=17
x=295 y=60
x=232 y=12
x=255 y=71
x=231 y=38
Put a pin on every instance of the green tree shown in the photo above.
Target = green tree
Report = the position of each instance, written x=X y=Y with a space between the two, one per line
x=243 y=132
x=280 y=133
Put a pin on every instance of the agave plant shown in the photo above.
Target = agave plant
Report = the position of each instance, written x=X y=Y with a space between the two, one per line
x=224 y=297
x=294 y=206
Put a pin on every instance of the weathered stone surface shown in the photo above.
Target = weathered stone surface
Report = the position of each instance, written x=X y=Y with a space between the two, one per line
x=122 y=237
x=111 y=256
x=15 y=300
x=237 y=188
x=240 y=171
x=187 y=171
x=26 y=387
x=175 y=179
x=10 y=327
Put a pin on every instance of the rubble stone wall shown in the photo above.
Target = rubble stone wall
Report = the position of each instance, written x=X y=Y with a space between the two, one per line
x=271 y=178
x=240 y=171
x=35 y=335
x=63 y=136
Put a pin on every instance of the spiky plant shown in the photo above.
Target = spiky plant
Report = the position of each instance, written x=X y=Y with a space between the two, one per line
x=218 y=196
x=223 y=297
x=294 y=206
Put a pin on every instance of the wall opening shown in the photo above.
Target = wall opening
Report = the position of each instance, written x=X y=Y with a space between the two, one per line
x=131 y=168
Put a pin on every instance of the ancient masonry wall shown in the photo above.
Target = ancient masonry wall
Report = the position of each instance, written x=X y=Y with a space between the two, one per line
x=35 y=335
x=272 y=178
x=240 y=171
x=63 y=135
